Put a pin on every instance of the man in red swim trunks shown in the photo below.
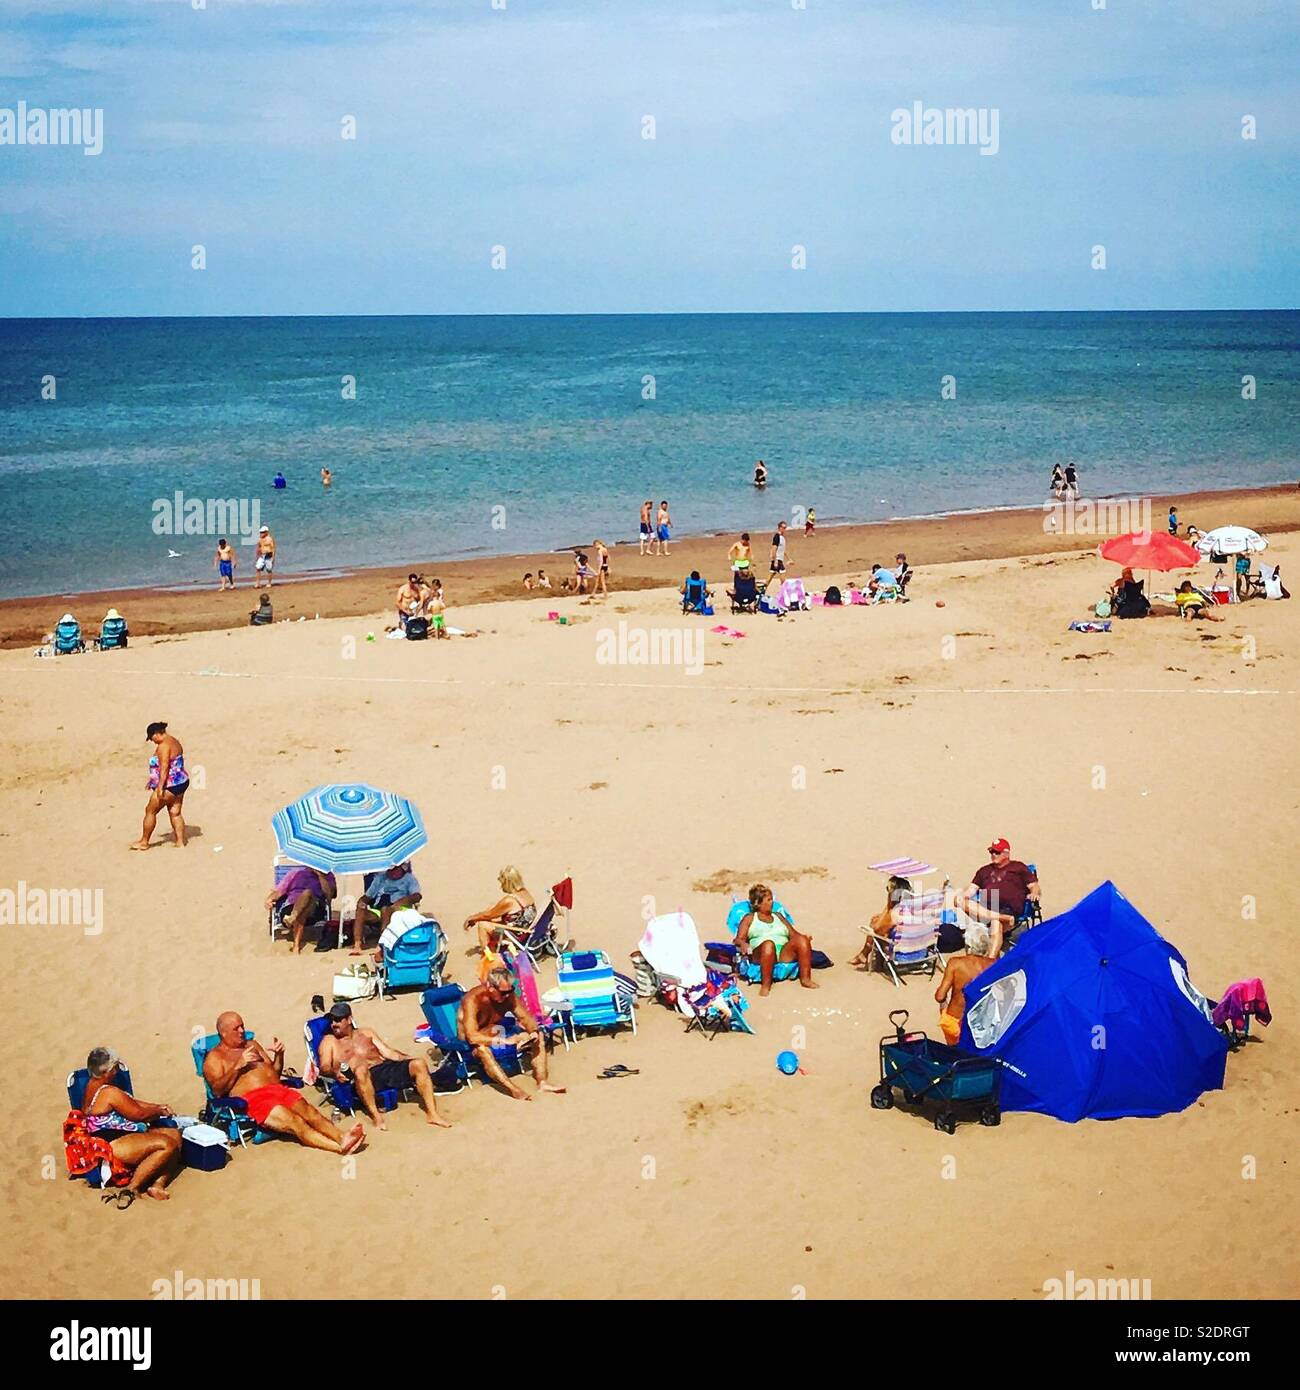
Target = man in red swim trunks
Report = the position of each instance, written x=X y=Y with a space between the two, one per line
x=241 y=1066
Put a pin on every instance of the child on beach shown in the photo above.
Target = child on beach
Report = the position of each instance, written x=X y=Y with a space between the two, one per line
x=810 y=523
x=582 y=573
x=529 y=583
x=543 y=582
x=436 y=609
x=225 y=561
x=1173 y=521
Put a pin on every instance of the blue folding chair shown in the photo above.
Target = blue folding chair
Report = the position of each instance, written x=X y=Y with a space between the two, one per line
x=441 y=1008
x=597 y=995
x=415 y=961
x=695 y=598
x=77 y=1082
x=1031 y=915
x=230 y=1113
x=725 y=952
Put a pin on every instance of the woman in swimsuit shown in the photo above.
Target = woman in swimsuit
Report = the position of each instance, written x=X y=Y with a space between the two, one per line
x=601 y=585
x=770 y=936
x=516 y=910
x=152 y=1155
x=168 y=782
x=896 y=890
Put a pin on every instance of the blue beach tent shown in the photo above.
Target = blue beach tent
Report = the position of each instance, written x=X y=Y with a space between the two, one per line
x=1093 y=1014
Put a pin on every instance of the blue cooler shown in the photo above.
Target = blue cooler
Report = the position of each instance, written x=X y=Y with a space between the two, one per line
x=204 y=1148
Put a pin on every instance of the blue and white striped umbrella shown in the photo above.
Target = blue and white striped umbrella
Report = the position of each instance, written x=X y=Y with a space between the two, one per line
x=349 y=828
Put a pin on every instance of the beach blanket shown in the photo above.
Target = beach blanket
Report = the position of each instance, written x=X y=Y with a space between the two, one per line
x=1089 y=627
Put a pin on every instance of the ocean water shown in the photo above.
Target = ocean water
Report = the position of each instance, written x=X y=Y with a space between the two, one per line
x=478 y=435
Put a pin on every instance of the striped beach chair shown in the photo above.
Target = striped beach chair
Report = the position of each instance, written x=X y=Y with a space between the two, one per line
x=913 y=944
x=597 y=995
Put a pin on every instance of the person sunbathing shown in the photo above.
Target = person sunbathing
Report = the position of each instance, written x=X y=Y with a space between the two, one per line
x=239 y=1066
x=951 y=994
x=896 y=889
x=361 y=1056
x=483 y=1024
x=1192 y=603
x=769 y=936
x=515 y=909
x=151 y=1153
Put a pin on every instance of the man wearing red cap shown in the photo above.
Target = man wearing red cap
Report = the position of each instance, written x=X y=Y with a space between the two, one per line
x=998 y=892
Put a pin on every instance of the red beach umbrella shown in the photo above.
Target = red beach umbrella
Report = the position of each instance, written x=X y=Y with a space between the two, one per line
x=1150 y=550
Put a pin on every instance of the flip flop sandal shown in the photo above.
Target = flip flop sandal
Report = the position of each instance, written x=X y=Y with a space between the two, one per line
x=121 y=1198
x=616 y=1071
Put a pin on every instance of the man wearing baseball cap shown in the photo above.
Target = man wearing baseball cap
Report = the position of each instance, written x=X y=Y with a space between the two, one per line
x=265 y=562
x=998 y=892
x=361 y=1056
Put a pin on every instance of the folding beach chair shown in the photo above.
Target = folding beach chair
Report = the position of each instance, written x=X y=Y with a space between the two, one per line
x=670 y=951
x=746 y=593
x=597 y=996
x=1031 y=915
x=230 y=1113
x=695 y=599
x=441 y=1009
x=112 y=635
x=415 y=961
x=912 y=946
x=67 y=638
x=541 y=940
x=524 y=970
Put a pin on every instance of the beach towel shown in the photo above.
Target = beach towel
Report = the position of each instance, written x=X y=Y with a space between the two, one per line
x=1239 y=1001
x=671 y=945
x=1089 y=627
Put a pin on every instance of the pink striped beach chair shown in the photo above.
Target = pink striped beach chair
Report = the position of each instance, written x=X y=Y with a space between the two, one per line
x=913 y=944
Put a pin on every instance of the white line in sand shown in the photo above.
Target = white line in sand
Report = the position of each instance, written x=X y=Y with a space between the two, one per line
x=901 y=691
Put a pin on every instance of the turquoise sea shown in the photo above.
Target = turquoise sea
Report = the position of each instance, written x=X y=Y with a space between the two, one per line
x=476 y=435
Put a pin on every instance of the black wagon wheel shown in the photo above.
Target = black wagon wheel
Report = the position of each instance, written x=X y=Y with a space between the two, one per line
x=991 y=1116
x=882 y=1098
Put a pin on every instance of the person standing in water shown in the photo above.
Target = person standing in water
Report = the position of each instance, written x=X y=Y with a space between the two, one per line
x=1057 y=484
x=225 y=561
x=647 y=534
x=168 y=782
x=326 y=477
x=760 y=474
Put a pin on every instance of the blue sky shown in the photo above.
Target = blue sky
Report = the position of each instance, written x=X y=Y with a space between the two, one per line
x=522 y=127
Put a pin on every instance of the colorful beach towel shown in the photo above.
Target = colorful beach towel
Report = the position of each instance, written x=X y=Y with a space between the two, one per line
x=1089 y=627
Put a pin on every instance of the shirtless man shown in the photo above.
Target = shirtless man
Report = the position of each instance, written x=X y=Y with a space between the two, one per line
x=240 y=1066
x=951 y=994
x=225 y=561
x=326 y=477
x=410 y=600
x=741 y=554
x=483 y=1012
x=663 y=528
x=265 y=562
x=361 y=1056
x=647 y=534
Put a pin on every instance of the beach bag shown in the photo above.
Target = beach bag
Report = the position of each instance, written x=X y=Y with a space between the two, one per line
x=833 y=596
x=417 y=629
x=356 y=982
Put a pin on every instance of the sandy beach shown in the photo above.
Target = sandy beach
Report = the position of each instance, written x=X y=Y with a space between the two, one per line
x=801 y=753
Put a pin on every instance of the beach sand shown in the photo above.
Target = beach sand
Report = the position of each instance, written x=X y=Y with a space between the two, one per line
x=802 y=752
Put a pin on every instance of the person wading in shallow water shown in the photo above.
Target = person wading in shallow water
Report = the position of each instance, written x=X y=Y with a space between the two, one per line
x=168 y=782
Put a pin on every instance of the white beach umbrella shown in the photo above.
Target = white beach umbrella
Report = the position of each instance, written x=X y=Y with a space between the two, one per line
x=1231 y=540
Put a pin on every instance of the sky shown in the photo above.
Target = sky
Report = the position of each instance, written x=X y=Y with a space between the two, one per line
x=522 y=127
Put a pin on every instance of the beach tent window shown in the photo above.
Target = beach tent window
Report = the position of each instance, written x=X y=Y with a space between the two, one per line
x=1182 y=980
x=998 y=1010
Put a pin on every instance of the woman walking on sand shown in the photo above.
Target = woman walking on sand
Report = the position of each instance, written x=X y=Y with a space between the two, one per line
x=168 y=782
